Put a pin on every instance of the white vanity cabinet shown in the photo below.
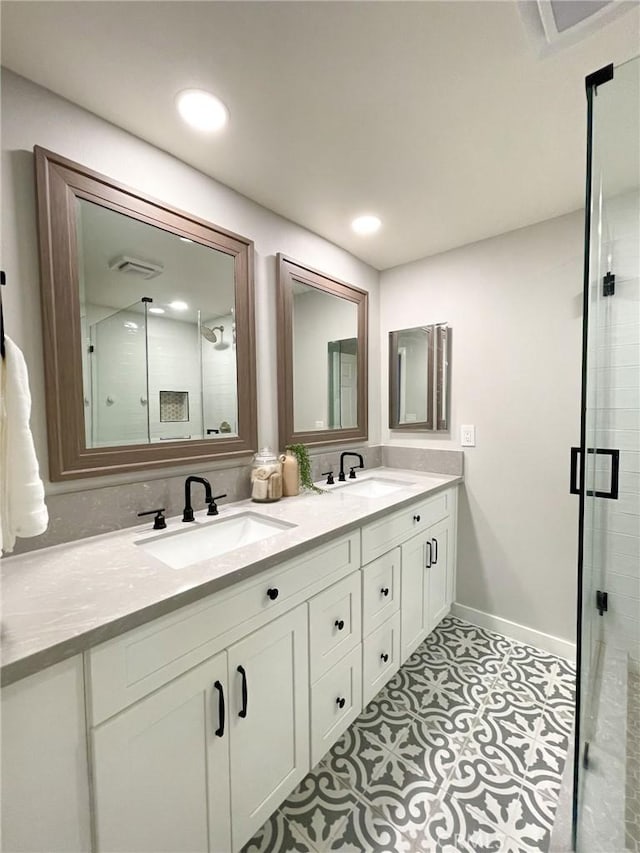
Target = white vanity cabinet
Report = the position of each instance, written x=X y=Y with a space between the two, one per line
x=201 y=763
x=427 y=582
x=268 y=720
x=161 y=769
x=423 y=535
x=201 y=722
x=44 y=768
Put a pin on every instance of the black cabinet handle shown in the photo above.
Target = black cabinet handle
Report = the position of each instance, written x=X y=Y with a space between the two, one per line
x=435 y=551
x=340 y=702
x=220 y=730
x=273 y=593
x=428 y=560
x=245 y=695
x=384 y=591
x=384 y=656
x=416 y=518
x=339 y=623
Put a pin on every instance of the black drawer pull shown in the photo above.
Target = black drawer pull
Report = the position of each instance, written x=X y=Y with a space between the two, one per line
x=340 y=702
x=220 y=730
x=435 y=551
x=273 y=593
x=384 y=591
x=428 y=555
x=416 y=518
x=339 y=623
x=384 y=656
x=245 y=693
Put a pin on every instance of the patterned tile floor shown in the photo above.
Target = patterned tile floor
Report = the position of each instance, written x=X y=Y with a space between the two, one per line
x=632 y=801
x=463 y=750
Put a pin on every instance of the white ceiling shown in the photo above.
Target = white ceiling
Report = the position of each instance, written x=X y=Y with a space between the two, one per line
x=196 y=274
x=441 y=117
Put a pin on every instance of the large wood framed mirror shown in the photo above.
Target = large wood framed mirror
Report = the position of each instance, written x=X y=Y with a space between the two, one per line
x=149 y=331
x=322 y=357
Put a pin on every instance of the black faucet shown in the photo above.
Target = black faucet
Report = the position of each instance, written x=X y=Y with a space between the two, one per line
x=187 y=514
x=352 y=473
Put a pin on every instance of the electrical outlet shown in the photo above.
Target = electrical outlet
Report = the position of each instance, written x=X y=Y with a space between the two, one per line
x=468 y=435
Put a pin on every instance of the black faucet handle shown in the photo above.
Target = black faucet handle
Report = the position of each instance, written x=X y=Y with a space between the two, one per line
x=213 y=506
x=352 y=472
x=329 y=476
x=159 y=522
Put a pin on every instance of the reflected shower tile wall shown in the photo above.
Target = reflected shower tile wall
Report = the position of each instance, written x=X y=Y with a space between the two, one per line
x=616 y=369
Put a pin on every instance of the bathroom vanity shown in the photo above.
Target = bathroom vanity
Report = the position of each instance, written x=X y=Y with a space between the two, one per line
x=175 y=709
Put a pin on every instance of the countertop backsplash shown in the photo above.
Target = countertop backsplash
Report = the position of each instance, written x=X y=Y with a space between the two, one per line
x=88 y=512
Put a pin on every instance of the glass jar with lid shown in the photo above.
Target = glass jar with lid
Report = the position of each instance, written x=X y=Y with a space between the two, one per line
x=266 y=476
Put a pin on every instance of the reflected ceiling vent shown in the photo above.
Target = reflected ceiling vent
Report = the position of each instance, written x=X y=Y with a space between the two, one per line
x=554 y=24
x=135 y=266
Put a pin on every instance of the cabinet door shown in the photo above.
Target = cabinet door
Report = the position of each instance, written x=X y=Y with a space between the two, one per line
x=438 y=573
x=269 y=724
x=162 y=774
x=413 y=596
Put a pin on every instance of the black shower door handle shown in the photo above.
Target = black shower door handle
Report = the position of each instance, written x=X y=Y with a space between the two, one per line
x=574 y=485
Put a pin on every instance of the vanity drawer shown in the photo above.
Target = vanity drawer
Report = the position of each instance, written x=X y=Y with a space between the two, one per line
x=380 y=658
x=335 y=624
x=336 y=700
x=129 y=667
x=391 y=530
x=380 y=590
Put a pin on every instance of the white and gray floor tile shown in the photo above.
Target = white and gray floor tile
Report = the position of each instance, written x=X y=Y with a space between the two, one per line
x=462 y=752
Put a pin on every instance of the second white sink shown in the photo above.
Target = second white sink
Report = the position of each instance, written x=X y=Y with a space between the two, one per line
x=374 y=487
x=212 y=539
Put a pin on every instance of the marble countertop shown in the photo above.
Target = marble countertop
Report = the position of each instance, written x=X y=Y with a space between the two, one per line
x=59 y=601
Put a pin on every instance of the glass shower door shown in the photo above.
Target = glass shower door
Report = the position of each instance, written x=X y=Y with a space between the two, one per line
x=118 y=354
x=605 y=470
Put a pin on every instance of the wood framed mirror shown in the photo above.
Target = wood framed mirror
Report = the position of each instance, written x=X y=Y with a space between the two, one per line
x=148 y=324
x=419 y=378
x=322 y=357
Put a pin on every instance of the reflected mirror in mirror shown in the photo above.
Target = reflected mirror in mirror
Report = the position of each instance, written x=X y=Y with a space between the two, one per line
x=322 y=357
x=325 y=360
x=157 y=314
x=419 y=378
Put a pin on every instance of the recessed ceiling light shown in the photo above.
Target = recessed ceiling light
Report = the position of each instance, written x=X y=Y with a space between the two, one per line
x=366 y=224
x=156 y=310
x=186 y=240
x=178 y=305
x=202 y=110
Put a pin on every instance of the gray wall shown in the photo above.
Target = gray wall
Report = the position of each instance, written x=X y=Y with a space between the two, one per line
x=514 y=304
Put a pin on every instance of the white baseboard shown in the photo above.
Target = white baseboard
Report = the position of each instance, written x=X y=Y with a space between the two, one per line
x=521 y=633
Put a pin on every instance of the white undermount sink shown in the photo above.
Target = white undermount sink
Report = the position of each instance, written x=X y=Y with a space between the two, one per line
x=374 y=487
x=213 y=539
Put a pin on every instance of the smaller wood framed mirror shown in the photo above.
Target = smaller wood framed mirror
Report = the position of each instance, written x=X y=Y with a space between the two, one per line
x=148 y=325
x=419 y=378
x=322 y=357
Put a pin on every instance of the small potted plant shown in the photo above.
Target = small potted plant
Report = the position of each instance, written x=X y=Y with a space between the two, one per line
x=304 y=467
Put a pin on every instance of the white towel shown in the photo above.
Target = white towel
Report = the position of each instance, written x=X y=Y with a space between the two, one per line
x=22 y=508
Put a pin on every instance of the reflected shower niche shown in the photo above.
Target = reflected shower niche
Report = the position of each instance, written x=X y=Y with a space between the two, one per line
x=159 y=359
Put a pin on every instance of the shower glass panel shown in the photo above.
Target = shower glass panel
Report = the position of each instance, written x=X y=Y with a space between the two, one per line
x=117 y=369
x=606 y=473
x=343 y=383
